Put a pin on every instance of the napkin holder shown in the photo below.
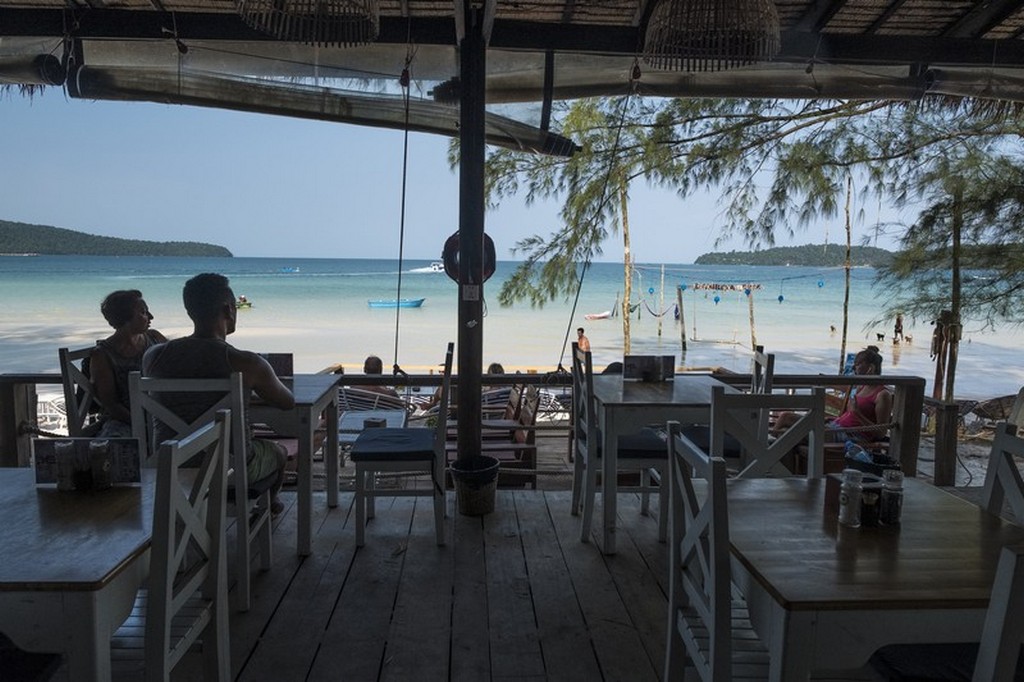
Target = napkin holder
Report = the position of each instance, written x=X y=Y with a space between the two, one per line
x=649 y=368
x=73 y=465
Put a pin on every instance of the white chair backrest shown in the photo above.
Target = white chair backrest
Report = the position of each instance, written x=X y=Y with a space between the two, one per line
x=1003 y=482
x=700 y=580
x=80 y=404
x=584 y=408
x=1004 y=622
x=441 y=427
x=741 y=416
x=148 y=409
x=762 y=371
x=1016 y=416
x=188 y=555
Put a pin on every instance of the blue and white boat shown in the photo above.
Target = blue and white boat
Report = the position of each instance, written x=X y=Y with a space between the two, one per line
x=396 y=303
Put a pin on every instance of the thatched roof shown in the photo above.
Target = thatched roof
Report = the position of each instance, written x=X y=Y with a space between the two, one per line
x=201 y=52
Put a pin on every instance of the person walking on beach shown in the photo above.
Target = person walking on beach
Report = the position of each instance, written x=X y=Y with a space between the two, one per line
x=582 y=341
x=205 y=354
x=897 y=330
x=118 y=355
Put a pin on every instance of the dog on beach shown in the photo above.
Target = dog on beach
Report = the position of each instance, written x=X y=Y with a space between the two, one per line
x=881 y=337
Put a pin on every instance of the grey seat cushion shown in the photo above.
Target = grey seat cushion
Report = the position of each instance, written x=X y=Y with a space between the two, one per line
x=406 y=445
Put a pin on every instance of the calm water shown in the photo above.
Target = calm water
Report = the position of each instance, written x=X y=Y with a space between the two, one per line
x=317 y=309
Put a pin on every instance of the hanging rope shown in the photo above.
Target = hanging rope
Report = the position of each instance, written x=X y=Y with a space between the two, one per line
x=404 y=80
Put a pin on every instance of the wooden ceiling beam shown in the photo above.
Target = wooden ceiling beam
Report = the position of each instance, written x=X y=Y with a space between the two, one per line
x=796 y=46
x=818 y=15
x=982 y=18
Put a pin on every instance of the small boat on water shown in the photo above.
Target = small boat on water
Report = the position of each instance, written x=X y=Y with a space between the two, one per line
x=288 y=270
x=436 y=266
x=598 y=316
x=396 y=303
x=243 y=302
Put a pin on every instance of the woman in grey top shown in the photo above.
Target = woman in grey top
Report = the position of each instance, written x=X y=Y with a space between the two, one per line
x=119 y=354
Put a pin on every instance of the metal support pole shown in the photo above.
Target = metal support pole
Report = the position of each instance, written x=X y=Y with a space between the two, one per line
x=472 y=55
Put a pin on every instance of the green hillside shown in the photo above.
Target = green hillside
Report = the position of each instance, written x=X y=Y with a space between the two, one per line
x=817 y=255
x=56 y=241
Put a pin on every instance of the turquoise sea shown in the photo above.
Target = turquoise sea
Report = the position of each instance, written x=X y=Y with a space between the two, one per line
x=317 y=309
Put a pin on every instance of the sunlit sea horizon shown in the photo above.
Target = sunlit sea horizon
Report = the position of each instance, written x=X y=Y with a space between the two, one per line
x=317 y=309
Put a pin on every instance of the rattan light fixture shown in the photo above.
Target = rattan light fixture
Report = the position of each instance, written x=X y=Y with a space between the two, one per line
x=711 y=35
x=328 y=23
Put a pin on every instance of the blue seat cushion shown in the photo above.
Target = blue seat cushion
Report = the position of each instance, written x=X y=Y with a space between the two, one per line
x=930 y=662
x=700 y=435
x=646 y=443
x=405 y=445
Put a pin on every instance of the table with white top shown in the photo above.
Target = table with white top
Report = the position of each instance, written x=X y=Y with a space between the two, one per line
x=625 y=406
x=72 y=564
x=315 y=394
x=826 y=596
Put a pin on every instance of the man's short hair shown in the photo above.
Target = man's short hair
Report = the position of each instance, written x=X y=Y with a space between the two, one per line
x=118 y=307
x=205 y=294
x=579 y=330
x=373 y=365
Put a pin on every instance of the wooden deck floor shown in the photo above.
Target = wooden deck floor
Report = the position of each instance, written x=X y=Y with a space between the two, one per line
x=514 y=595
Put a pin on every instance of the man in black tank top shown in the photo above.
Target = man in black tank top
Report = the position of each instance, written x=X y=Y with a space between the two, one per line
x=210 y=303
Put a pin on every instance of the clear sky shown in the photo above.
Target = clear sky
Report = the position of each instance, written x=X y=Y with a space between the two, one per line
x=274 y=186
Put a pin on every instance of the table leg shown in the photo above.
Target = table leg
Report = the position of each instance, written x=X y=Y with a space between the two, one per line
x=331 y=452
x=305 y=487
x=88 y=647
x=791 y=645
x=609 y=483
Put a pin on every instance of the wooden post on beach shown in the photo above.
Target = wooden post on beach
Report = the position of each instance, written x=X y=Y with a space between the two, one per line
x=661 y=299
x=682 y=317
x=750 y=309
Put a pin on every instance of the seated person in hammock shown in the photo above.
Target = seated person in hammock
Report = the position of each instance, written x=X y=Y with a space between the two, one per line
x=866 y=406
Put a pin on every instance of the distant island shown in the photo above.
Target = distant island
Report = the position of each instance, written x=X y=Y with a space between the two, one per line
x=815 y=255
x=26 y=239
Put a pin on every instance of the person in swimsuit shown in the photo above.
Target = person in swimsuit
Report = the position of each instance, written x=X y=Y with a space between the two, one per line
x=866 y=405
x=117 y=355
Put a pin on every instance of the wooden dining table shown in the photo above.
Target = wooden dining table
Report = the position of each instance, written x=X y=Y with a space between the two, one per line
x=625 y=406
x=315 y=395
x=826 y=596
x=71 y=565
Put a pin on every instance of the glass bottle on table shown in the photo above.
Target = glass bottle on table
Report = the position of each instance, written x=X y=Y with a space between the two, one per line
x=849 y=498
x=892 y=497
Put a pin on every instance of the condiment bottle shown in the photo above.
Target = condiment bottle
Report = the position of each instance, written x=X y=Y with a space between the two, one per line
x=892 y=497
x=849 y=498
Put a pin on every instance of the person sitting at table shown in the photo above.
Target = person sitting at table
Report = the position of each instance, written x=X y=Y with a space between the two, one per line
x=866 y=406
x=375 y=366
x=118 y=355
x=205 y=354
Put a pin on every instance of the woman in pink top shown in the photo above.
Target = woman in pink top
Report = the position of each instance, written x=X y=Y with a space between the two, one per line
x=866 y=405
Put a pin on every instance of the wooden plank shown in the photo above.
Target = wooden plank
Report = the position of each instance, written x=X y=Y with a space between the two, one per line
x=619 y=648
x=515 y=647
x=561 y=629
x=470 y=645
x=353 y=644
x=643 y=533
x=421 y=626
x=291 y=639
x=638 y=585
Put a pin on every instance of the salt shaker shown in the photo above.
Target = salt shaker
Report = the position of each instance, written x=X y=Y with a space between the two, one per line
x=99 y=461
x=64 y=456
x=892 y=497
x=849 y=497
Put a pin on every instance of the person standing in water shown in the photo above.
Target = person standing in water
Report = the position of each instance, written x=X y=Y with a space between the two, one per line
x=897 y=330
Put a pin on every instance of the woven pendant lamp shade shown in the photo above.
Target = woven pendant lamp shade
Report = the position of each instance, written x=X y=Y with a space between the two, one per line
x=711 y=35
x=327 y=23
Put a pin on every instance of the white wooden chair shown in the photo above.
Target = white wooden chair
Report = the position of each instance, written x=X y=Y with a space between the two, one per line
x=709 y=630
x=641 y=452
x=403 y=451
x=248 y=502
x=186 y=604
x=1003 y=482
x=995 y=659
x=80 y=402
x=741 y=416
